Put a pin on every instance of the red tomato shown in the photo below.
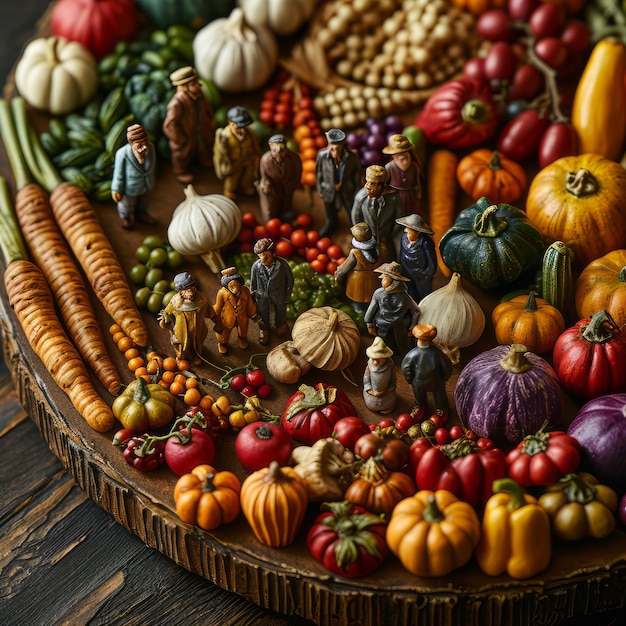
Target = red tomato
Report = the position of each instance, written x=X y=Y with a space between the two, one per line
x=547 y=20
x=520 y=138
x=331 y=267
x=312 y=412
x=263 y=391
x=311 y=254
x=404 y=421
x=255 y=377
x=319 y=266
x=334 y=252
x=190 y=449
x=259 y=443
x=552 y=51
x=348 y=540
x=304 y=220
x=474 y=69
x=323 y=244
x=260 y=231
x=246 y=235
x=238 y=382
x=249 y=220
x=285 y=230
x=442 y=436
x=527 y=82
x=298 y=238
x=456 y=432
x=284 y=249
x=312 y=237
x=349 y=429
x=368 y=445
x=559 y=140
x=501 y=62
x=249 y=391
x=273 y=227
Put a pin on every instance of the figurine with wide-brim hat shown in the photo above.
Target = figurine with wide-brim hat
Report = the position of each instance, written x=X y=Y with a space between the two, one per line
x=397 y=144
x=415 y=222
x=393 y=270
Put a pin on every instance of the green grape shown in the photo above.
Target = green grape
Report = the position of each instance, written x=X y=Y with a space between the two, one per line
x=154 y=275
x=142 y=253
x=175 y=259
x=158 y=257
x=137 y=273
x=153 y=241
x=155 y=302
x=141 y=297
x=168 y=296
x=162 y=286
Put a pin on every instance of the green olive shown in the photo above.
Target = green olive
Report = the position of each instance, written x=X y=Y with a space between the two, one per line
x=161 y=286
x=154 y=275
x=141 y=296
x=175 y=259
x=153 y=241
x=158 y=257
x=137 y=274
x=155 y=302
x=168 y=296
x=142 y=253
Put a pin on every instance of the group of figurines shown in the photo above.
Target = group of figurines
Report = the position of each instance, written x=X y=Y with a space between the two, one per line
x=388 y=270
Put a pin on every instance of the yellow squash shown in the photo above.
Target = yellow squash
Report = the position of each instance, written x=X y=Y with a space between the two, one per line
x=599 y=105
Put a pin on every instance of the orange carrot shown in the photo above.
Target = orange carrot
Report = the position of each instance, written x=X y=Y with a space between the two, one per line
x=31 y=300
x=442 y=188
x=50 y=253
x=81 y=228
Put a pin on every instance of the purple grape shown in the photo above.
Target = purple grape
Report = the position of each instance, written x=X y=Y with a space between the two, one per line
x=353 y=141
x=394 y=124
x=372 y=157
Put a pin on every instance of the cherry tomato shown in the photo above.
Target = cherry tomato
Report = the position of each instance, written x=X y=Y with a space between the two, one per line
x=521 y=9
x=404 y=421
x=194 y=447
x=456 y=432
x=255 y=377
x=386 y=422
x=395 y=454
x=520 y=138
x=369 y=445
x=249 y=391
x=349 y=429
x=442 y=436
x=259 y=443
x=552 y=51
x=273 y=227
x=559 y=140
x=547 y=20
x=493 y=25
x=485 y=443
x=527 y=83
x=264 y=390
x=238 y=382
x=500 y=62
x=249 y=220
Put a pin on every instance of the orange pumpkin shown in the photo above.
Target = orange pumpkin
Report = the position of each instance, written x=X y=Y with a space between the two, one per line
x=528 y=320
x=601 y=286
x=378 y=489
x=207 y=498
x=580 y=200
x=488 y=173
x=274 y=501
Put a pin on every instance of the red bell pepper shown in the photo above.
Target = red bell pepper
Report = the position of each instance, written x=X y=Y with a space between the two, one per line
x=542 y=458
x=463 y=468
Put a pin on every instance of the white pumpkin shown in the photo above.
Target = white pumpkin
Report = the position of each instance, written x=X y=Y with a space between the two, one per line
x=201 y=225
x=235 y=55
x=456 y=314
x=280 y=16
x=56 y=76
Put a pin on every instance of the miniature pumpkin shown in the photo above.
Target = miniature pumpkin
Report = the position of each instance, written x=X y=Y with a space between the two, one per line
x=456 y=314
x=144 y=406
x=507 y=393
x=602 y=286
x=580 y=200
x=274 y=501
x=207 y=498
x=589 y=357
x=202 y=225
x=194 y=13
x=56 y=76
x=528 y=320
x=433 y=532
x=96 y=24
x=378 y=489
x=491 y=244
x=279 y=17
x=327 y=338
x=486 y=172
x=235 y=55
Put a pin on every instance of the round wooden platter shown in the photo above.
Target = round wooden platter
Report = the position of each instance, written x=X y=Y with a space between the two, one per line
x=583 y=578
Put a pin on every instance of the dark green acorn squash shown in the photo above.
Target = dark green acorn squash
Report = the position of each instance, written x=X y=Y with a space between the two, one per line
x=491 y=245
x=194 y=13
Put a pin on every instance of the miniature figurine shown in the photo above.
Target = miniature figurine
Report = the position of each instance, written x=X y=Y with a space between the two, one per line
x=379 y=379
x=236 y=154
x=184 y=317
x=280 y=171
x=234 y=307
x=189 y=124
x=338 y=178
x=427 y=368
x=418 y=257
x=379 y=205
x=271 y=282
x=133 y=176
x=356 y=274
x=405 y=172
x=392 y=313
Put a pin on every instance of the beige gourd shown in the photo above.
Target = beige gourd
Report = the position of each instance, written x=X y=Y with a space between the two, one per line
x=285 y=364
x=235 y=55
x=456 y=314
x=56 y=76
x=282 y=18
x=201 y=225
x=327 y=338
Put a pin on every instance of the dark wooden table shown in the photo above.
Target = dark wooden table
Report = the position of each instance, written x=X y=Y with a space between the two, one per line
x=63 y=559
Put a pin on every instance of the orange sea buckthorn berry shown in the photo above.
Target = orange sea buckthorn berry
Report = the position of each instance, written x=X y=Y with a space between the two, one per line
x=182 y=365
x=169 y=364
x=177 y=388
x=192 y=397
x=114 y=328
x=118 y=336
x=135 y=363
x=168 y=377
x=142 y=372
x=191 y=383
x=131 y=353
x=206 y=402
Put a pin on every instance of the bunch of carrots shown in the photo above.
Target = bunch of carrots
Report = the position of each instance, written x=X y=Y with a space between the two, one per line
x=36 y=287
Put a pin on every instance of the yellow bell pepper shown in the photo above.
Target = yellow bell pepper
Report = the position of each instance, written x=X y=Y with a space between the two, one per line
x=516 y=535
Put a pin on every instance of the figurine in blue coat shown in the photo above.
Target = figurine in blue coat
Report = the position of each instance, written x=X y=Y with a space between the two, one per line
x=418 y=256
x=133 y=176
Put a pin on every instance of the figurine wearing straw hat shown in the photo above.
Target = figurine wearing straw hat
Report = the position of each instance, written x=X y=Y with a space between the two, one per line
x=405 y=172
x=392 y=313
x=418 y=256
x=379 y=379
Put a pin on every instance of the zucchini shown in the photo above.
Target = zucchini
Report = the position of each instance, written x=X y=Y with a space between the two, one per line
x=116 y=137
x=113 y=107
x=557 y=277
x=77 y=177
x=76 y=157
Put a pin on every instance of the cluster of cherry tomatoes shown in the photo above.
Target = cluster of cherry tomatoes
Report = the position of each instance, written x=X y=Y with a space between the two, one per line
x=292 y=239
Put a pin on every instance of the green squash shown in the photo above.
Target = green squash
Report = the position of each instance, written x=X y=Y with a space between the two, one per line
x=194 y=13
x=491 y=245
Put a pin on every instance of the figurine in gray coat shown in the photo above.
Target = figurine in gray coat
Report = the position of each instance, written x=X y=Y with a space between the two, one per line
x=337 y=178
x=133 y=176
x=271 y=282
